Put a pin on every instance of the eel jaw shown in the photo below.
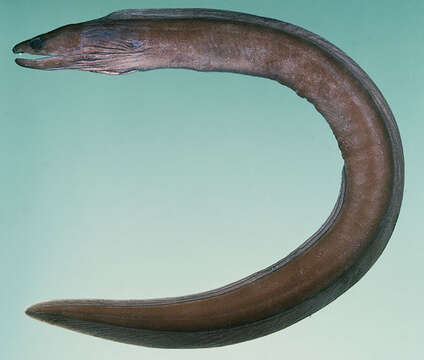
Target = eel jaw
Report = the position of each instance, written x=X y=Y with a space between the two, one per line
x=46 y=61
x=59 y=62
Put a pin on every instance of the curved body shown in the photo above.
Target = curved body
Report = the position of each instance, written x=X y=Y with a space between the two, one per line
x=328 y=263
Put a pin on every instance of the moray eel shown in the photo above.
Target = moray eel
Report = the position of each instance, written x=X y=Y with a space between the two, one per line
x=325 y=265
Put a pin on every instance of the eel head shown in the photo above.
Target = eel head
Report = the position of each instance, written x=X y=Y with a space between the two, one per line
x=97 y=46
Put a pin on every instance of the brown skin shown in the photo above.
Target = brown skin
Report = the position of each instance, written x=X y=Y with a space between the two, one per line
x=330 y=261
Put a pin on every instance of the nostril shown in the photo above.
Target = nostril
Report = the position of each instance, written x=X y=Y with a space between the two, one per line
x=36 y=43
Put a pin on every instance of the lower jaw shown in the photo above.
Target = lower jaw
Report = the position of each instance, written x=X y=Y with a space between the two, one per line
x=44 y=63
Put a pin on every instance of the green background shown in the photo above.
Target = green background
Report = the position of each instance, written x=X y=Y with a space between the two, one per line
x=170 y=182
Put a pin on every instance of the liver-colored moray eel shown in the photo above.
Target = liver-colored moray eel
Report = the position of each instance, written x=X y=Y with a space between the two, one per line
x=323 y=267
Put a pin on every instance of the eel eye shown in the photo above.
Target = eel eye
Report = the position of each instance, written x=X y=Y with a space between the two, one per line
x=36 y=43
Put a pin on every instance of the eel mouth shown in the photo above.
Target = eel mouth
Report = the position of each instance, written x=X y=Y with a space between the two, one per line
x=44 y=61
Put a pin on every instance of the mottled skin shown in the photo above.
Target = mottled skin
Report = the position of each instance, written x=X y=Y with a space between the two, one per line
x=328 y=263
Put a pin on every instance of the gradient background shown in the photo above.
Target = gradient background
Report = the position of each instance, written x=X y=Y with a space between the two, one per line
x=169 y=182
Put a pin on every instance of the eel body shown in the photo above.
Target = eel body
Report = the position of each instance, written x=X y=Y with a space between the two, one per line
x=326 y=264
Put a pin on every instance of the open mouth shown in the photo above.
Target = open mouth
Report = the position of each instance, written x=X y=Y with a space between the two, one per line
x=37 y=60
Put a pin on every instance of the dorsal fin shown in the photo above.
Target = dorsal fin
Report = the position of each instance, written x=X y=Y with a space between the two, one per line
x=171 y=13
x=126 y=14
